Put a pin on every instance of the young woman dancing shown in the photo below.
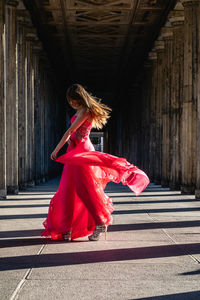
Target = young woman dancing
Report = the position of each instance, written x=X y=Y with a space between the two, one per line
x=80 y=207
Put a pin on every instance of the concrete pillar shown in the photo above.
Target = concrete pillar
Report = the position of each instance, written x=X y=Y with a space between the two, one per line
x=30 y=107
x=145 y=115
x=3 y=190
x=189 y=109
x=50 y=119
x=11 y=98
x=30 y=38
x=159 y=48
x=47 y=114
x=197 y=191
x=22 y=99
x=37 y=48
x=177 y=21
x=167 y=36
x=136 y=142
x=152 y=112
x=42 y=118
x=129 y=130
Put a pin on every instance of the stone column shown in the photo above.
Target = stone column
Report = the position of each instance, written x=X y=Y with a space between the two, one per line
x=167 y=36
x=197 y=192
x=135 y=142
x=30 y=38
x=37 y=48
x=42 y=117
x=145 y=114
x=46 y=117
x=189 y=109
x=152 y=112
x=50 y=118
x=3 y=191
x=159 y=48
x=177 y=21
x=11 y=98
x=132 y=94
x=22 y=99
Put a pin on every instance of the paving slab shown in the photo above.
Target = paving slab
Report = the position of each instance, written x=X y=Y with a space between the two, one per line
x=104 y=289
x=152 y=249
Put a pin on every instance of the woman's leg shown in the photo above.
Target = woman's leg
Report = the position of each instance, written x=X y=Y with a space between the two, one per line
x=88 y=192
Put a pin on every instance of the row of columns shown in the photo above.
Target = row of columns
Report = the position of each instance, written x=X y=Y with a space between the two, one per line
x=29 y=104
x=171 y=102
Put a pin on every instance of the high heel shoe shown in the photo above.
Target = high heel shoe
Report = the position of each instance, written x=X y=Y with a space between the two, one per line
x=66 y=236
x=98 y=230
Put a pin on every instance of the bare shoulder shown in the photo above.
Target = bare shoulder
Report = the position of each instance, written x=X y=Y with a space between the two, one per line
x=89 y=115
x=85 y=112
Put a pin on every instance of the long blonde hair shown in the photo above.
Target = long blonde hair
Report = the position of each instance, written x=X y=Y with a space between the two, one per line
x=99 y=111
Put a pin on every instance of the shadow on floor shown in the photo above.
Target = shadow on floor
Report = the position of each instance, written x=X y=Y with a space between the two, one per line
x=87 y=257
x=136 y=198
x=24 y=206
x=111 y=228
x=116 y=212
x=182 y=296
x=135 y=202
x=160 y=210
x=132 y=202
x=197 y=272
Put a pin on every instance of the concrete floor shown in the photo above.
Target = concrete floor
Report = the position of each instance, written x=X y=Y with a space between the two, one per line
x=152 y=249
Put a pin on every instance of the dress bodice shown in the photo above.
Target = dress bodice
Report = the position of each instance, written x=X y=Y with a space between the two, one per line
x=83 y=131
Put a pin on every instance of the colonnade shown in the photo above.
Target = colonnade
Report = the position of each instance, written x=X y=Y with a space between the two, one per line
x=29 y=102
x=157 y=127
x=170 y=96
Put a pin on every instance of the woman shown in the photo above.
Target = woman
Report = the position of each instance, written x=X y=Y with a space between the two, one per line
x=80 y=207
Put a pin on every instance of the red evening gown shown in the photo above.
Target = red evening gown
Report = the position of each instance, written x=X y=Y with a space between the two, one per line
x=80 y=202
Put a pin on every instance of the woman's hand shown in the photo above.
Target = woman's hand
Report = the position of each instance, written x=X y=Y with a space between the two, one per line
x=54 y=155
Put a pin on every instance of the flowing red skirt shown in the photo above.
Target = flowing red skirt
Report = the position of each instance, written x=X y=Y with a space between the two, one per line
x=80 y=202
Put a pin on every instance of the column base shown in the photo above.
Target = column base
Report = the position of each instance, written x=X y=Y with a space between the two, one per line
x=46 y=178
x=187 y=190
x=25 y=185
x=31 y=183
x=174 y=186
x=157 y=181
x=197 y=194
x=22 y=186
x=3 y=194
x=12 y=189
x=164 y=183
x=37 y=181
x=42 y=180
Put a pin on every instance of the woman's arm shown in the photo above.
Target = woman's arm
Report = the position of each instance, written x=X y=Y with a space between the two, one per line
x=82 y=116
